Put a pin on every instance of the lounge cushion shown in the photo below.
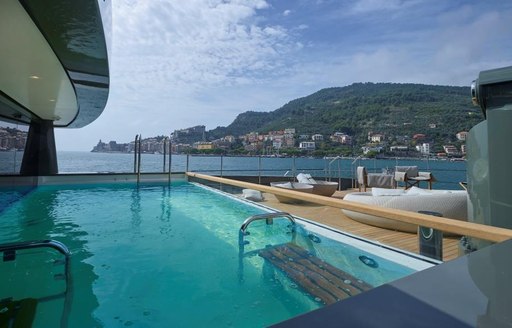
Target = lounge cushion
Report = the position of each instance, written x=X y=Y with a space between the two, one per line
x=414 y=191
x=387 y=192
x=451 y=204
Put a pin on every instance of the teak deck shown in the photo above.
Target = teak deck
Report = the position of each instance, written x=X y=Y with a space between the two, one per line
x=335 y=218
x=447 y=225
x=320 y=279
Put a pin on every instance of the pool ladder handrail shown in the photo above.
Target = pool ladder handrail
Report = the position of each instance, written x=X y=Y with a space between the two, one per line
x=9 y=254
x=268 y=217
x=57 y=245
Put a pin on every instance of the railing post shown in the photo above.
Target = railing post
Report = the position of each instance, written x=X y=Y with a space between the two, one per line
x=221 y=164
x=165 y=153
x=139 y=159
x=259 y=169
x=339 y=174
x=325 y=170
x=352 y=174
x=293 y=166
x=135 y=153
x=170 y=159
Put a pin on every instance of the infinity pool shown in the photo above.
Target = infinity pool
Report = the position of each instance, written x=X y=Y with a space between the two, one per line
x=160 y=256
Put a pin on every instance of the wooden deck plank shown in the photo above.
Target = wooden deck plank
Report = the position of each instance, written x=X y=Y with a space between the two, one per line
x=335 y=218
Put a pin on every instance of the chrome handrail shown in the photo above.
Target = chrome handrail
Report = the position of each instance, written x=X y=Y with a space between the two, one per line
x=266 y=216
x=165 y=153
x=170 y=160
x=139 y=159
x=10 y=249
x=60 y=247
x=336 y=159
x=135 y=154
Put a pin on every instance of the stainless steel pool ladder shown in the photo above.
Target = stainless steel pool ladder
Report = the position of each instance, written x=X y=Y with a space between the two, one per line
x=137 y=158
x=9 y=250
x=268 y=217
x=9 y=254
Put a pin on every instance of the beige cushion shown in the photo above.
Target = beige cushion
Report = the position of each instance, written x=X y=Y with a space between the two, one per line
x=412 y=171
x=451 y=204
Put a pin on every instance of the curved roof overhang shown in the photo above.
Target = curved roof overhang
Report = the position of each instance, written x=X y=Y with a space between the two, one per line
x=53 y=61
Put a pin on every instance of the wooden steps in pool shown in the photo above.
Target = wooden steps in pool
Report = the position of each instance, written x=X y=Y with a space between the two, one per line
x=320 y=279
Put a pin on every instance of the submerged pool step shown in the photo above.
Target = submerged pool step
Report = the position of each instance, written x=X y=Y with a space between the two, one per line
x=320 y=279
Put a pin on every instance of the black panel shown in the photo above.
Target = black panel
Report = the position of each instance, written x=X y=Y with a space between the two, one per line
x=40 y=156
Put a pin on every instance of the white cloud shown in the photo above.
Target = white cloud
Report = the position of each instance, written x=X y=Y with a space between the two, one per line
x=471 y=37
x=287 y=12
x=178 y=63
x=365 y=6
x=196 y=43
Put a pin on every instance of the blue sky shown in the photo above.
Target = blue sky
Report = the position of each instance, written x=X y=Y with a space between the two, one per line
x=176 y=64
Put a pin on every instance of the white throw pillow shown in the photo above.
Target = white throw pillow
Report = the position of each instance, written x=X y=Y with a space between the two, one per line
x=305 y=178
x=387 y=192
x=252 y=194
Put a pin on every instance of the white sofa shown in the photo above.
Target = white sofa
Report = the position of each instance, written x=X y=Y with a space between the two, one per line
x=450 y=203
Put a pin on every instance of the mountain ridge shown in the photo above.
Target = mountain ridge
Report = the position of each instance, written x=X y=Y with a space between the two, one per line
x=360 y=108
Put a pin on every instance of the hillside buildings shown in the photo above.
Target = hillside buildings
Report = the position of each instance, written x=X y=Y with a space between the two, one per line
x=149 y=145
x=424 y=148
x=462 y=135
x=291 y=141
x=307 y=145
x=341 y=138
x=12 y=139
x=189 y=135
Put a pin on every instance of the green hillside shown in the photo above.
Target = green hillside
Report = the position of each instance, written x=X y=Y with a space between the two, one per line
x=388 y=108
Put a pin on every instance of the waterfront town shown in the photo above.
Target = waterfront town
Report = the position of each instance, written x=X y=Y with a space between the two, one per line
x=288 y=142
x=12 y=139
x=285 y=142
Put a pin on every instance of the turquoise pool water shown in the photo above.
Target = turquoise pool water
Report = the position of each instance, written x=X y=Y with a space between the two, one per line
x=156 y=256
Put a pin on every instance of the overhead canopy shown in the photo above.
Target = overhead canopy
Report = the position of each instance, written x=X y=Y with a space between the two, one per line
x=53 y=61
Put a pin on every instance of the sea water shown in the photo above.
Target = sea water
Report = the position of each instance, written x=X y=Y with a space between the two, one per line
x=448 y=174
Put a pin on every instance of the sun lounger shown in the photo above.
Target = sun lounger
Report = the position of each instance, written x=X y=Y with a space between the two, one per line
x=323 y=188
x=449 y=203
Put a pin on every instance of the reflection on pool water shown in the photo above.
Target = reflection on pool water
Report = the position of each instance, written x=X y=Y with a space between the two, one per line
x=156 y=256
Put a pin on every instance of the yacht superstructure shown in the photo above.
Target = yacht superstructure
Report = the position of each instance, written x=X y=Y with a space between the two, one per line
x=54 y=70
